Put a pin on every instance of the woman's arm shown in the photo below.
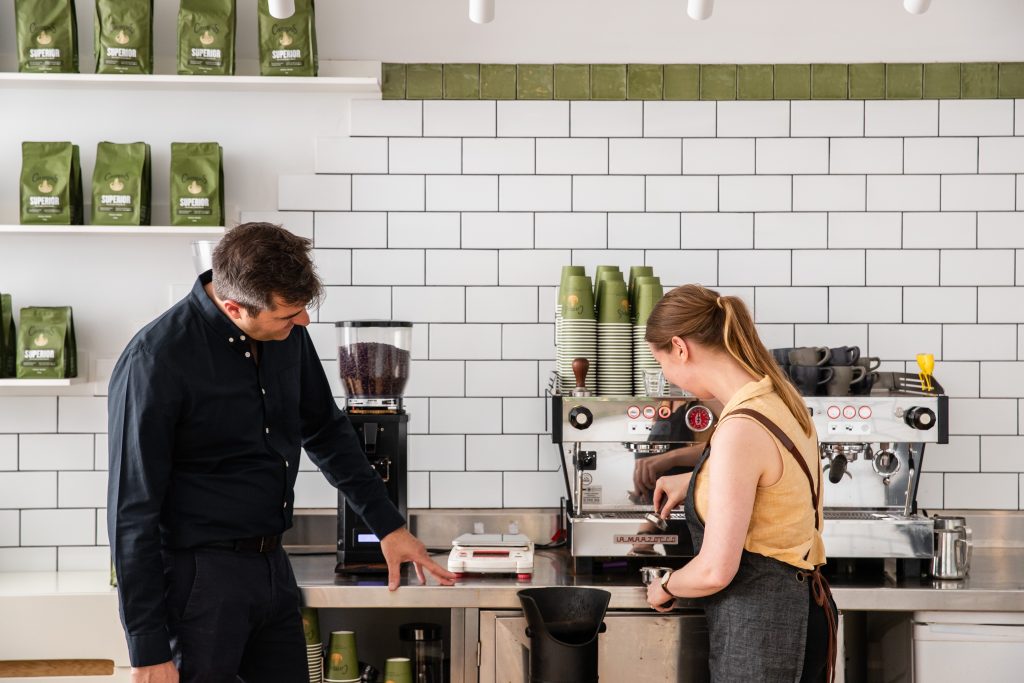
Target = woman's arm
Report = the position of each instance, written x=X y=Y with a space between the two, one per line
x=743 y=455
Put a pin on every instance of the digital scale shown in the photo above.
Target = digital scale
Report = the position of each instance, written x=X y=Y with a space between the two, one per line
x=492 y=554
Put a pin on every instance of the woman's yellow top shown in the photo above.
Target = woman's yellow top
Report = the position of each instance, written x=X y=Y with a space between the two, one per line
x=782 y=521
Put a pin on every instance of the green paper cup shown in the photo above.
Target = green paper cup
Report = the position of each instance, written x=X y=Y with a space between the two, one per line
x=568 y=272
x=647 y=295
x=311 y=625
x=638 y=271
x=602 y=282
x=578 y=303
x=642 y=280
x=342 y=660
x=613 y=306
x=604 y=272
x=398 y=670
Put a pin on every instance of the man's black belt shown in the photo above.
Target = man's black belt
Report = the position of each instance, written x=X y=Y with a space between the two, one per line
x=259 y=544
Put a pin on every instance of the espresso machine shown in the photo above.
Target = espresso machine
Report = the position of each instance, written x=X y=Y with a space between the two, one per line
x=373 y=361
x=872 y=451
x=601 y=440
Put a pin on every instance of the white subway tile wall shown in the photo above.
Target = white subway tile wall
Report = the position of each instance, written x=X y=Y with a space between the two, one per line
x=897 y=226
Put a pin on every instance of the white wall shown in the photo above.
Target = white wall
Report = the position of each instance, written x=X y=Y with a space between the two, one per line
x=615 y=31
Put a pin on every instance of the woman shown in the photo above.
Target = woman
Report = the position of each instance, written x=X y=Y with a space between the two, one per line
x=753 y=500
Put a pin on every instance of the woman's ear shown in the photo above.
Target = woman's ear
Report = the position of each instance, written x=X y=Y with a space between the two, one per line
x=680 y=348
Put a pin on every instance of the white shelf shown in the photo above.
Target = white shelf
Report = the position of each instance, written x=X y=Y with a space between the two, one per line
x=328 y=84
x=111 y=230
x=41 y=383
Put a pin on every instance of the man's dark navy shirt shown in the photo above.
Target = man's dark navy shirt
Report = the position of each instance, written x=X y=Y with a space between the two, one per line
x=205 y=445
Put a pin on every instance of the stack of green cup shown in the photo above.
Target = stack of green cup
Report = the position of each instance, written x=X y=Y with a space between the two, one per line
x=614 y=342
x=567 y=272
x=342 y=659
x=577 y=333
x=314 y=646
x=647 y=293
x=398 y=670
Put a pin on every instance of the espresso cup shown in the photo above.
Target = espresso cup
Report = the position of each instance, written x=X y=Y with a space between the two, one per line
x=842 y=377
x=864 y=385
x=781 y=356
x=809 y=378
x=844 y=355
x=869 y=363
x=810 y=355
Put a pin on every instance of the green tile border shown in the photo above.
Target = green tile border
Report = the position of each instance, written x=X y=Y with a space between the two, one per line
x=749 y=82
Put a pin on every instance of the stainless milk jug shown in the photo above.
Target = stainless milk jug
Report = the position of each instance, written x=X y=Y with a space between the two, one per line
x=952 y=554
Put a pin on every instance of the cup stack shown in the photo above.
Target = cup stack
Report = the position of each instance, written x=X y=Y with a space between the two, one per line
x=647 y=292
x=567 y=272
x=314 y=647
x=614 y=337
x=577 y=333
x=342 y=660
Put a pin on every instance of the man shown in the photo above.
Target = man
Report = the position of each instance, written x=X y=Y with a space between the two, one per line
x=208 y=407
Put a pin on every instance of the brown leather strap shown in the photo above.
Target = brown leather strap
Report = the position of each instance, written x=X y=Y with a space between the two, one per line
x=788 y=444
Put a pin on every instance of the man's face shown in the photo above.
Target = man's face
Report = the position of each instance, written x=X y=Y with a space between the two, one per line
x=273 y=324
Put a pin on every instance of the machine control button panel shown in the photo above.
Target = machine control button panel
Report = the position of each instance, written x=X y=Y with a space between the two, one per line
x=849 y=428
x=640 y=427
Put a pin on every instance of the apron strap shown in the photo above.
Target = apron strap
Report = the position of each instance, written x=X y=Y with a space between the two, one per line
x=788 y=444
x=821 y=593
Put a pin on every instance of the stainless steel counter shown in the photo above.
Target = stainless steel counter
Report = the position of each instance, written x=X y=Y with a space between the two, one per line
x=996 y=584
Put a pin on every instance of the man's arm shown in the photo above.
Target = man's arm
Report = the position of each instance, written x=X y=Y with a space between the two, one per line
x=142 y=410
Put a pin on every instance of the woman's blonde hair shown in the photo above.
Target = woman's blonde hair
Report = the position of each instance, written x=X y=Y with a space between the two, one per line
x=719 y=322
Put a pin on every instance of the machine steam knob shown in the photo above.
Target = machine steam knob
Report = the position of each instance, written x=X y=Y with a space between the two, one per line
x=920 y=417
x=580 y=417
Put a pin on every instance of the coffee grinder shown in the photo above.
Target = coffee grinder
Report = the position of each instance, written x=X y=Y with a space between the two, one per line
x=373 y=361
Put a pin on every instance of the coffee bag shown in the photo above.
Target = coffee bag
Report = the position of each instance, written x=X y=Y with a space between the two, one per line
x=47 y=36
x=7 y=339
x=51 y=184
x=197 y=184
x=288 y=46
x=46 y=343
x=121 y=184
x=123 y=36
x=206 y=37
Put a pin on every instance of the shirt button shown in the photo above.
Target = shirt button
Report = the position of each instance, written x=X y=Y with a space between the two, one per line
x=247 y=354
x=242 y=337
x=264 y=391
x=231 y=339
x=268 y=430
x=285 y=504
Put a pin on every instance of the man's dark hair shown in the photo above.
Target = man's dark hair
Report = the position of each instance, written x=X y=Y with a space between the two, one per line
x=255 y=261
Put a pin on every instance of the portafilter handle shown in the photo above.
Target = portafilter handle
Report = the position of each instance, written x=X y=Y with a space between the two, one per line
x=580 y=368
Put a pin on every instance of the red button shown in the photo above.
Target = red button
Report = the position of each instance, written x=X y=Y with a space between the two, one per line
x=664 y=412
x=849 y=412
x=834 y=412
x=649 y=412
x=864 y=412
x=633 y=412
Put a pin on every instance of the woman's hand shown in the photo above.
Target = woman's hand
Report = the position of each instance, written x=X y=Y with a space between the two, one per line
x=647 y=470
x=658 y=599
x=670 y=492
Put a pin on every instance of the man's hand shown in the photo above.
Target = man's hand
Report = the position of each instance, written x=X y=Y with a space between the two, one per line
x=158 y=673
x=400 y=546
x=670 y=492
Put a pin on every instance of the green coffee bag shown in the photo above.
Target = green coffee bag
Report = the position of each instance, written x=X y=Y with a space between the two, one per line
x=47 y=36
x=123 y=36
x=206 y=37
x=7 y=339
x=46 y=343
x=288 y=46
x=121 y=184
x=197 y=183
x=51 y=184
